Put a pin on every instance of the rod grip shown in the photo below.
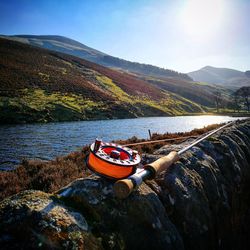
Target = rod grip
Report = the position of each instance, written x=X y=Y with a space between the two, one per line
x=162 y=163
x=123 y=188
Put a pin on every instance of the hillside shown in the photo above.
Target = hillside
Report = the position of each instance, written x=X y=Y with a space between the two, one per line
x=72 y=47
x=198 y=92
x=42 y=85
x=222 y=76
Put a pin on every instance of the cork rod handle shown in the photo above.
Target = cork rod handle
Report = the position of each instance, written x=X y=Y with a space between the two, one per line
x=162 y=163
x=123 y=188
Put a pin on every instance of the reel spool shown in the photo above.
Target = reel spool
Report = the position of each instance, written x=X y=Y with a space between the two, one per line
x=112 y=160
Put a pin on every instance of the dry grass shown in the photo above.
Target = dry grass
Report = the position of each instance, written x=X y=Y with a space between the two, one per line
x=47 y=176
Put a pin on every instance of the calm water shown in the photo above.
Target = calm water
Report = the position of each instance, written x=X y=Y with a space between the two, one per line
x=46 y=141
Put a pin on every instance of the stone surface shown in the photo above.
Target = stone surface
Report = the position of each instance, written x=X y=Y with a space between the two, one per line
x=207 y=193
x=139 y=222
x=36 y=220
x=201 y=202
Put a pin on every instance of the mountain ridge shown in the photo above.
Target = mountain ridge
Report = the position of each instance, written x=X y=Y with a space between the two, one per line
x=222 y=76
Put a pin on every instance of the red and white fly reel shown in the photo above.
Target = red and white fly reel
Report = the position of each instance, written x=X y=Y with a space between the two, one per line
x=112 y=160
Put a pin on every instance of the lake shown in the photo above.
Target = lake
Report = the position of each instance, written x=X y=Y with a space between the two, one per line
x=46 y=141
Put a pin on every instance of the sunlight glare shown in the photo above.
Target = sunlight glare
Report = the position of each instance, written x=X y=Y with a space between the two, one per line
x=201 y=19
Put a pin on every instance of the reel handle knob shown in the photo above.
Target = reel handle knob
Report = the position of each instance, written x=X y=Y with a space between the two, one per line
x=134 y=153
x=97 y=144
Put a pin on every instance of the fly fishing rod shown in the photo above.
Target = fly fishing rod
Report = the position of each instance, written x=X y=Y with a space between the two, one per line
x=123 y=187
x=114 y=161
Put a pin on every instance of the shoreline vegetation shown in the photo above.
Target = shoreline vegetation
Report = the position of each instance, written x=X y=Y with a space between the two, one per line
x=49 y=176
x=39 y=106
x=232 y=114
x=13 y=111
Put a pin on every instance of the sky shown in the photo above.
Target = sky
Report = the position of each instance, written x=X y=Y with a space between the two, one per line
x=182 y=35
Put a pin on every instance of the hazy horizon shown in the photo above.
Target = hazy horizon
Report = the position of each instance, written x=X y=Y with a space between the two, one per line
x=180 y=35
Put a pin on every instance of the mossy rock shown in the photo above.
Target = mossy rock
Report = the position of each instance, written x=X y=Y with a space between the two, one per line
x=37 y=220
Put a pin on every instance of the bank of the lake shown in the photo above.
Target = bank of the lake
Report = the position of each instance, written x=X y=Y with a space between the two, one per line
x=50 y=175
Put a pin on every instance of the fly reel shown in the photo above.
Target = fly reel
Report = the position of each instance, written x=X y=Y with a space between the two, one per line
x=112 y=160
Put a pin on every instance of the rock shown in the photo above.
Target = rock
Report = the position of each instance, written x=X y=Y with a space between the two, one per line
x=36 y=220
x=201 y=202
x=139 y=222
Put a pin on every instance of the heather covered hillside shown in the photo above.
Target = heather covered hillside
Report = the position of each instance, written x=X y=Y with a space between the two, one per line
x=39 y=85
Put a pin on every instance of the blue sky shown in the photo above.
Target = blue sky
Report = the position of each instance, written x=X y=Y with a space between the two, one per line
x=175 y=34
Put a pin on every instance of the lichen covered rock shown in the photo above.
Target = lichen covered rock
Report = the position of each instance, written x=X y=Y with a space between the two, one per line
x=36 y=220
x=201 y=202
x=139 y=222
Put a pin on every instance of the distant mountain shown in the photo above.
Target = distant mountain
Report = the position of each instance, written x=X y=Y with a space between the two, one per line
x=72 y=47
x=222 y=76
x=247 y=73
x=39 y=85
